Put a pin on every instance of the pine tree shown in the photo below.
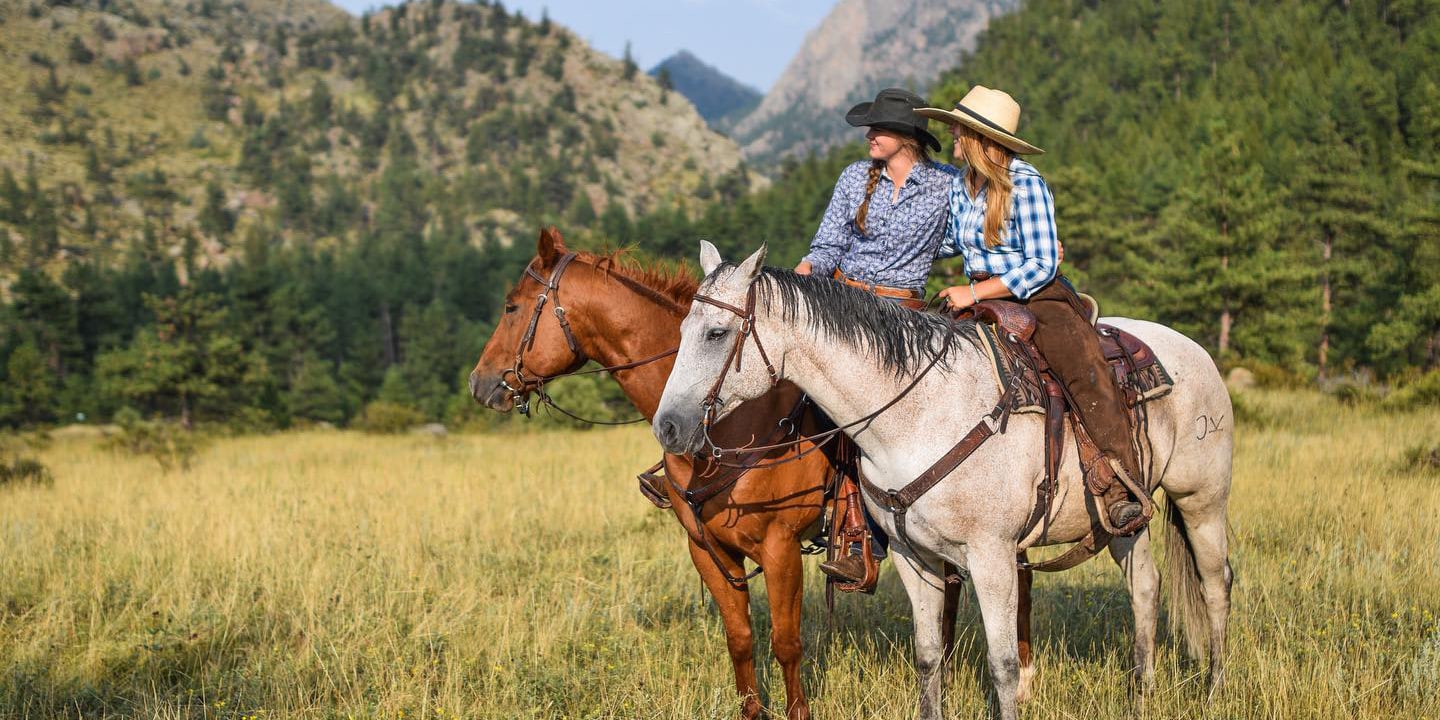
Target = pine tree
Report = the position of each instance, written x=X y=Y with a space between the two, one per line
x=1221 y=265
x=1342 y=216
x=629 y=63
x=185 y=360
x=215 y=218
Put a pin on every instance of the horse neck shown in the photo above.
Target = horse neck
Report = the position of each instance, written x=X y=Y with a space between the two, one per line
x=615 y=324
x=848 y=384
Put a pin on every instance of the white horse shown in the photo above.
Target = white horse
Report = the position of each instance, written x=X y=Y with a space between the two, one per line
x=853 y=352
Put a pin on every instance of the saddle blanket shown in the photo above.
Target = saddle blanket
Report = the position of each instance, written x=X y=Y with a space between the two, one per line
x=1140 y=374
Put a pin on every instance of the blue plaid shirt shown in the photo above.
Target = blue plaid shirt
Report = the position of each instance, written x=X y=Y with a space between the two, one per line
x=1028 y=254
x=900 y=239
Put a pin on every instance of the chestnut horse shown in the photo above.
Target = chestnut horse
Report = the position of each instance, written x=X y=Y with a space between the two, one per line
x=615 y=315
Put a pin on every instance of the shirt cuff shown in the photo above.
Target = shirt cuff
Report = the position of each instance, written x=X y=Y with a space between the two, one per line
x=1023 y=281
x=820 y=265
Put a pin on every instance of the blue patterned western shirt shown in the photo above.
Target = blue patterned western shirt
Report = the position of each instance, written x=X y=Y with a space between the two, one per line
x=900 y=238
x=1028 y=254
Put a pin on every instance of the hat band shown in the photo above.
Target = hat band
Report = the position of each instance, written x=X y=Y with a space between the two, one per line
x=982 y=119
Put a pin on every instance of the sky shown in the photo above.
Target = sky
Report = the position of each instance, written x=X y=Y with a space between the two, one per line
x=749 y=40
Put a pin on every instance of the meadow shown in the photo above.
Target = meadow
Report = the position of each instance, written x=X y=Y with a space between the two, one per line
x=330 y=574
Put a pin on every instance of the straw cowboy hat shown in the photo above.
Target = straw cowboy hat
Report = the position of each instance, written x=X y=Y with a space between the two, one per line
x=992 y=113
x=893 y=109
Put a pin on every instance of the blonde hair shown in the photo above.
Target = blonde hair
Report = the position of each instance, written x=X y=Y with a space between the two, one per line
x=987 y=165
x=908 y=144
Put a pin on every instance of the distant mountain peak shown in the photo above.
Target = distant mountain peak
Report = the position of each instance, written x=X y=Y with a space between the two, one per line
x=861 y=47
x=718 y=97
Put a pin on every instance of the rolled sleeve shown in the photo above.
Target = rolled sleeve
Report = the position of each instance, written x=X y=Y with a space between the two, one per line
x=1035 y=228
x=832 y=238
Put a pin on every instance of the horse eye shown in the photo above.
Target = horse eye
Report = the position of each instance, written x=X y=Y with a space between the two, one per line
x=716 y=333
x=511 y=307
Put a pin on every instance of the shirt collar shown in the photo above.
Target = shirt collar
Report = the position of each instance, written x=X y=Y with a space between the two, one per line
x=923 y=173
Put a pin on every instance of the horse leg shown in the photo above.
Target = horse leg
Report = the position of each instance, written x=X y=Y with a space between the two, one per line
x=1142 y=578
x=734 y=605
x=951 y=613
x=1026 y=578
x=1198 y=545
x=996 y=579
x=927 y=606
x=785 y=586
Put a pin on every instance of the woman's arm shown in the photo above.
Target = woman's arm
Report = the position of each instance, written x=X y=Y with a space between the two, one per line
x=831 y=239
x=1035 y=226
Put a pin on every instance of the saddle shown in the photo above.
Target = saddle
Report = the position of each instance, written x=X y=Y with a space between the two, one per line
x=1006 y=331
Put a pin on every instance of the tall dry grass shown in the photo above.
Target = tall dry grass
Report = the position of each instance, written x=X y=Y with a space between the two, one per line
x=331 y=575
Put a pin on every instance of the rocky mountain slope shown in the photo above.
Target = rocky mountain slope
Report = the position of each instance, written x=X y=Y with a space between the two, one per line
x=180 y=126
x=859 y=48
x=719 y=98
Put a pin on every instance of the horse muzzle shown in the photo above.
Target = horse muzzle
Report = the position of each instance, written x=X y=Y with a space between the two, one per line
x=491 y=391
x=678 y=432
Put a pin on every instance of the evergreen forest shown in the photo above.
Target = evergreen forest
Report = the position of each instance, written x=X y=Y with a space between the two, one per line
x=1263 y=176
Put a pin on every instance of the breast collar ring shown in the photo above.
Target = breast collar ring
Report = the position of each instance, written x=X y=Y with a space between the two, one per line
x=549 y=292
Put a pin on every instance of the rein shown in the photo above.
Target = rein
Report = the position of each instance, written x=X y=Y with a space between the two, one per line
x=747 y=330
x=523 y=387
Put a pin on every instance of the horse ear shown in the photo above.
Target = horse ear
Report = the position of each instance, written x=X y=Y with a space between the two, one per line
x=750 y=269
x=709 y=257
x=550 y=246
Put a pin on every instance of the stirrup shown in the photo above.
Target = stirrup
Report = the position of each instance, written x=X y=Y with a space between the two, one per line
x=1142 y=498
x=850 y=573
x=652 y=488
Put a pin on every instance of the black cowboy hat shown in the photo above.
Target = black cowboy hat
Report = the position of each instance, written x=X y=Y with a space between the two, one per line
x=894 y=110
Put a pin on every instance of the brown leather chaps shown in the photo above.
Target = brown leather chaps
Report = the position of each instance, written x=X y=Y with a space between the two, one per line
x=1068 y=341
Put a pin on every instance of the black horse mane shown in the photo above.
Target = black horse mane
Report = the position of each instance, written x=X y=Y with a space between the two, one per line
x=902 y=339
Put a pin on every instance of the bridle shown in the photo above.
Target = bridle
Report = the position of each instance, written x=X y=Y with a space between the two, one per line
x=747 y=330
x=818 y=440
x=523 y=386
x=549 y=289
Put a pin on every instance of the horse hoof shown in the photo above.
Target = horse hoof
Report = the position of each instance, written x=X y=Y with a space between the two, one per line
x=1025 y=690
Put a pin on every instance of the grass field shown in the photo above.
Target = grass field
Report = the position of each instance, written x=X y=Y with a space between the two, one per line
x=337 y=575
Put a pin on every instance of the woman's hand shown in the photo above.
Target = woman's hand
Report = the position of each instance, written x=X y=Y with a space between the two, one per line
x=803 y=268
x=958 y=297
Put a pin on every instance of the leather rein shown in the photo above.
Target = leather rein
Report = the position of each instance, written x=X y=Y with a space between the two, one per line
x=818 y=440
x=523 y=386
x=898 y=502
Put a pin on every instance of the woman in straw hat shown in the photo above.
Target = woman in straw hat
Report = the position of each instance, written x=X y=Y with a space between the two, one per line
x=1002 y=220
x=880 y=232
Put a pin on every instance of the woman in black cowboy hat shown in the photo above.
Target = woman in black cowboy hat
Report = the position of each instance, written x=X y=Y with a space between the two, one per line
x=881 y=231
x=888 y=214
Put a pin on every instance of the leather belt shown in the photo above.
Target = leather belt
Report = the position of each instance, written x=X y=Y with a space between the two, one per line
x=881 y=290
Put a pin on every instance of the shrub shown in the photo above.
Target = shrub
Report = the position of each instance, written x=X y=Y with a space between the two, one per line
x=1248 y=412
x=171 y=445
x=15 y=469
x=1353 y=393
x=1422 y=392
x=382 y=417
x=1422 y=458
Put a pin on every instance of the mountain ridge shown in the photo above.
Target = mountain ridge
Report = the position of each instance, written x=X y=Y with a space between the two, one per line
x=859 y=48
x=126 y=115
x=719 y=98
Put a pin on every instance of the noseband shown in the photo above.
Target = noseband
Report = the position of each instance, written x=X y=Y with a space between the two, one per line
x=747 y=330
x=549 y=291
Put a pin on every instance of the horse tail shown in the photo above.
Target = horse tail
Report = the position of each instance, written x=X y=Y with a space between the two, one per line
x=1189 y=617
